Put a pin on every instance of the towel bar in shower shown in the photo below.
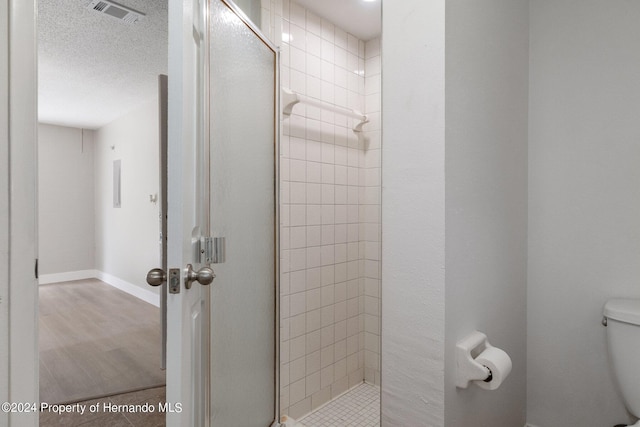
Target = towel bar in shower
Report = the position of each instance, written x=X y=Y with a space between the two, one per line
x=291 y=98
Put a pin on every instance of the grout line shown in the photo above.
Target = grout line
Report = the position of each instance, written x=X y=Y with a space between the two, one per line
x=359 y=407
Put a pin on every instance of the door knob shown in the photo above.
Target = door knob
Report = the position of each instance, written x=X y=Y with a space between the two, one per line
x=156 y=277
x=204 y=276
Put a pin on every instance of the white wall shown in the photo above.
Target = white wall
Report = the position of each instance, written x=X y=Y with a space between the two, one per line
x=80 y=233
x=413 y=211
x=4 y=207
x=486 y=206
x=65 y=199
x=584 y=202
x=486 y=199
x=21 y=129
x=127 y=238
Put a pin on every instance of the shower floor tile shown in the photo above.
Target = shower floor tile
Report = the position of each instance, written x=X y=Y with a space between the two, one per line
x=359 y=407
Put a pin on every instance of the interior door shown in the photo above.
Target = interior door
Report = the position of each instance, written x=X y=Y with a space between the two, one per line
x=221 y=338
x=187 y=318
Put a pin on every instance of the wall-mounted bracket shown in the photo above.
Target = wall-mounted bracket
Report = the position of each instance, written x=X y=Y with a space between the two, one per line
x=467 y=369
x=209 y=250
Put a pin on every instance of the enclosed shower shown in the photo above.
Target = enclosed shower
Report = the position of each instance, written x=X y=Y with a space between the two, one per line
x=330 y=193
x=329 y=205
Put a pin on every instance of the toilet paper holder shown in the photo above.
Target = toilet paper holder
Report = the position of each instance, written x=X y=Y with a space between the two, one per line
x=467 y=368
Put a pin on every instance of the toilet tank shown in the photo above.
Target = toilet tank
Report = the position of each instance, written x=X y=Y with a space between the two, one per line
x=623 y=339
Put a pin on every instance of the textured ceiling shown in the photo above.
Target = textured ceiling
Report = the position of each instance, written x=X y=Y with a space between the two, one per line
x=93 y=68
x=361 y=18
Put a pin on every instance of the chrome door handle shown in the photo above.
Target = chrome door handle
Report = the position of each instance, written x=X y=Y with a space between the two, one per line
x=156 y=277
x=204 y=276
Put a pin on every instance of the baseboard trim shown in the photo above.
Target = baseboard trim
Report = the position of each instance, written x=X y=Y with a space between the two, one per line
x=67 y=276
x=136 y=291
x=130 y=288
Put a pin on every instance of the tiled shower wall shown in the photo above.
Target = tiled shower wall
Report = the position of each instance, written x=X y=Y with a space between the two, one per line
x=330 y=214
x=270 y=19
x=370 y=221
x=322 y=349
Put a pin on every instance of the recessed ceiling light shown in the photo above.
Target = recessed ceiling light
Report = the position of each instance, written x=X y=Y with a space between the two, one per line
x=286 y=37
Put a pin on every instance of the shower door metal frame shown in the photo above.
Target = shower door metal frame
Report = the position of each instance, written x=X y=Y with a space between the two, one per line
x=276 y=140
x=163 y=101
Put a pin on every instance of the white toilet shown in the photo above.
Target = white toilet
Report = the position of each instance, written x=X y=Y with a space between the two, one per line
x=622 y=318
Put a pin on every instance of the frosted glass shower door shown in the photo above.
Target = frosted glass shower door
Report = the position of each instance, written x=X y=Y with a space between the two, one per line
x=242 y=143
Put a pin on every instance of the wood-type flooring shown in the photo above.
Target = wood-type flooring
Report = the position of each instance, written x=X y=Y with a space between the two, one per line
x=96 y=341
x=113 y=418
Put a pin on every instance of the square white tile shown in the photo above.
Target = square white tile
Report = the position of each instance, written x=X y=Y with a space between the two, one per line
x=359 y=407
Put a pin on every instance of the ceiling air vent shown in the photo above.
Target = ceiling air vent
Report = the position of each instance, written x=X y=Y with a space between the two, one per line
x=115 y=10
